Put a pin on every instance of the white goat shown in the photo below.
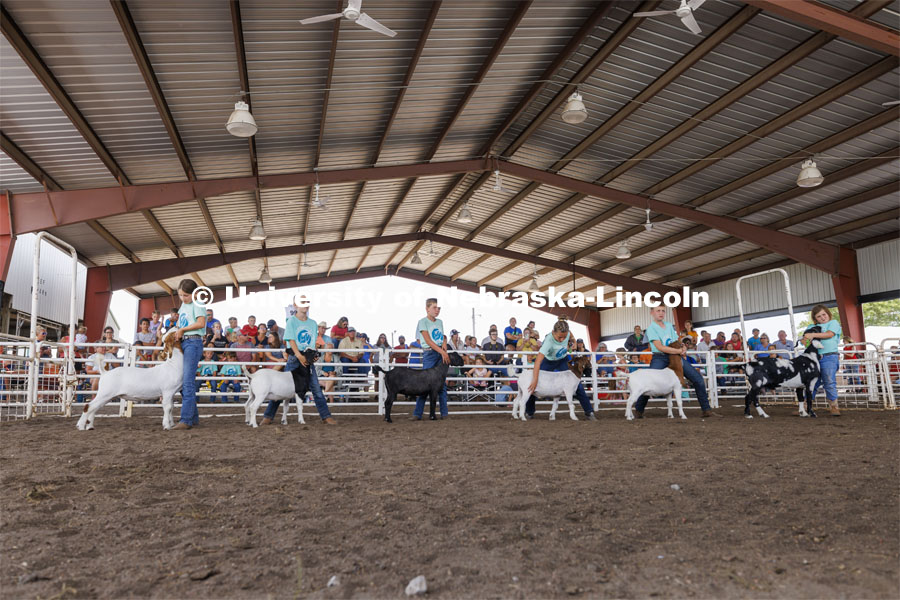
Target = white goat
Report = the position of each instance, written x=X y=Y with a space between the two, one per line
x=551 y=384
x=269 y=384
x=161 y=381
x=654 y=383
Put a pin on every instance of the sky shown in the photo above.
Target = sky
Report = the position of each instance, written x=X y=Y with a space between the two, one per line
x=393 y=306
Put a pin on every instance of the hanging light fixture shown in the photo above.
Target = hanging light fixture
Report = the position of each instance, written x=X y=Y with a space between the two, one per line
x=264 y=277
x=465 y=215
x=241 y=123
x=416 y=259
x=257 y=233
x=574 y=111
x=320 y=202
x=534 y=287
x=809 y=175
x=623 y=252
x=305 y=262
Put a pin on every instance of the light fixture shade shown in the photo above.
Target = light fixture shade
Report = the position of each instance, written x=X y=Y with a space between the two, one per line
x=241 y=123
x=648 y=226
x=416 y=259
x=623 y=252
x=809 y=175
x=574 y=111
x=264 y=277
x=534 y=287
x=465 y=215
x=257 y=233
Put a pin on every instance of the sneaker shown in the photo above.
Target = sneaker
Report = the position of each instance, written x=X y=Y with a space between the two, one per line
x=182 y=426
x=591 y=417
x=529 y=417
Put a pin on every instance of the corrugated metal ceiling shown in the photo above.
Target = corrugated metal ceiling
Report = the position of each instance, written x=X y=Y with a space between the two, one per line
x=192 y=51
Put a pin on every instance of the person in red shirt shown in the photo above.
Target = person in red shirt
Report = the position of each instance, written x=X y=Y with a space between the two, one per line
x=400 y=358
x=339 y=331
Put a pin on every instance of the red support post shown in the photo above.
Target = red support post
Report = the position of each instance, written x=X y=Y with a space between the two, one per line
x=146 y=306
x=593 y=326
x=7 y=239
x=97 y=296
x=846 y=293
x=680 y=314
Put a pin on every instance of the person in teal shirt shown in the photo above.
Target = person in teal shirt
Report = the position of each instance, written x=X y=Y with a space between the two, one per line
x=554 y=356
x=660 y=334
x=300 y=333
x=230 y=370
x=191 y=329
x=829 y=359
x=430 y=334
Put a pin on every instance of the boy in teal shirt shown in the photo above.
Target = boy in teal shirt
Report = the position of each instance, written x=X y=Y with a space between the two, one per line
x=430 y=334
x=660 y=334
x=230 y=370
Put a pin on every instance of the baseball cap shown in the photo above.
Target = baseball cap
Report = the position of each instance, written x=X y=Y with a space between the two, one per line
x=271 y=323
x=353 y=329
x=454 y=331
x=322 y=324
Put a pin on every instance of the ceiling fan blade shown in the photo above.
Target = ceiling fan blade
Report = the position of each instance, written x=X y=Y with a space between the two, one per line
x=370 y=23
x=321 y=19
x=695 y=4
x=654 y=13
x=357 y=5
x=891 y=103
x=691 y=23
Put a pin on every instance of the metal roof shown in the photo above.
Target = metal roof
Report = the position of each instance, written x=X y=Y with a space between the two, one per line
x=476 y=64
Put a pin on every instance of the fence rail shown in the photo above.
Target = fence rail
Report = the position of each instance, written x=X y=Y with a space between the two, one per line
x=37 y=378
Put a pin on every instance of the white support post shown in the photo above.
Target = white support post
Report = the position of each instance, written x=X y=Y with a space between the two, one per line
x=70 y=360
x=713 y=392
x=383 y=360
x=790 y=307
x=595 y=401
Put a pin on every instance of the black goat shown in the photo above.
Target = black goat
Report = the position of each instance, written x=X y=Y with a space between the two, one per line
x=801 y=372
x=415 y=382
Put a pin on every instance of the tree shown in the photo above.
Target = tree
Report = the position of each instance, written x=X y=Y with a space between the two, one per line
x=884 y=314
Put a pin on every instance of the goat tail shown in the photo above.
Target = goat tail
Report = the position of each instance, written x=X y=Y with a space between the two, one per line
x=247 y=372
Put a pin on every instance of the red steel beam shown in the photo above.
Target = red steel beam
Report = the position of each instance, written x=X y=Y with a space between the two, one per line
x=74 y=206
x=122 y=276
x=832 y=20
x=7 y=237
x=815 y=254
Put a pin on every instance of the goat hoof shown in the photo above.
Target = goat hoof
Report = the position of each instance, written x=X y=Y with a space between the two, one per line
x=432 y=418
x=813 y=415
x=388 y=420
x=748 y=416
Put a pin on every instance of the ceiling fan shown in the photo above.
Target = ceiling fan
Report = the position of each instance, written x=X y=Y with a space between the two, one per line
x=306 y=263
x=891 y=103
x=648 y=225
x=353 y=13
x=685 y=12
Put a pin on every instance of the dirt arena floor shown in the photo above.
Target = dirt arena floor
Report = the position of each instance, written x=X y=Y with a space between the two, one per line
x=482 y=506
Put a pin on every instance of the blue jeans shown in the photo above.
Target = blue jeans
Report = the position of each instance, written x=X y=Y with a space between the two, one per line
x=192 y=347
x=318 y=398
x=554 y=366
x=431 y=359
x=828 y=368
x=351 y=368
x=502 y=398
x=235 y=387
x=661 y=361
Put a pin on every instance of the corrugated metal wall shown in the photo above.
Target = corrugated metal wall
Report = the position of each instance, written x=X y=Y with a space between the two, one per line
x=766 y=292
x=54 y=282
x=879 y=268
x=622 y=320
x=879 y=271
